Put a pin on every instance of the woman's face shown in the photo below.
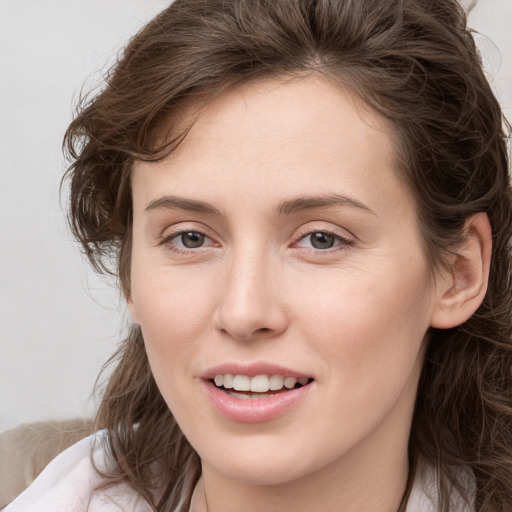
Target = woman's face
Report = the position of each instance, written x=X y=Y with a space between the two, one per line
x=278 y=240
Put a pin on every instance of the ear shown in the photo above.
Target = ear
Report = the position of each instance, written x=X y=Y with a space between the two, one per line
x=462 y=290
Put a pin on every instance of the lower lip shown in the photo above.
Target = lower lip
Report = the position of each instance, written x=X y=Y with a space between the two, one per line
x=254 y=410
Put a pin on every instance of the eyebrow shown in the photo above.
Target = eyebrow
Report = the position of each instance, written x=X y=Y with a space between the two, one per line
x=182 y=203
x=288 y=207
x=324 y=201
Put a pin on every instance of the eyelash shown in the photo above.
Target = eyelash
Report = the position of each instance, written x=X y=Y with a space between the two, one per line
x=343 y=242
x=170 y=244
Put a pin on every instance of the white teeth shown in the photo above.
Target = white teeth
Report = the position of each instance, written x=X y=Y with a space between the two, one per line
x=276 y=382
x=228 y=381
x=259 y=383
x=289 y=382
x=242 y=383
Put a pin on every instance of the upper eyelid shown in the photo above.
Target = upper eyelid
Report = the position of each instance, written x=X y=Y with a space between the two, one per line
x=176 y=234
x=326 y=232
x=343 y=233
x=177 y=229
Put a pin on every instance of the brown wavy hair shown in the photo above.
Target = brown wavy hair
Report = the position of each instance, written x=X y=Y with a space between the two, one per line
x=415 y=63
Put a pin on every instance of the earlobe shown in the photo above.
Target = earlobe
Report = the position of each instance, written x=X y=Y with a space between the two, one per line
x=462 y=291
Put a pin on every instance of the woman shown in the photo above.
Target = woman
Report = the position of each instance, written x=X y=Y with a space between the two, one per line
x=309 y=210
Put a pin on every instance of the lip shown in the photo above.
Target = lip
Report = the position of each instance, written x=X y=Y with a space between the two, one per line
x=255 y=410
x=252 y=370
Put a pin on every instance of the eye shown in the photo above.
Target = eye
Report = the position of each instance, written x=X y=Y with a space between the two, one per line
x=187 y=240
x=190 y=239
x=323 y=240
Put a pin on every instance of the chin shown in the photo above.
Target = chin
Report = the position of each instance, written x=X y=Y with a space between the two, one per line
x=264 y=460
x=266 y=471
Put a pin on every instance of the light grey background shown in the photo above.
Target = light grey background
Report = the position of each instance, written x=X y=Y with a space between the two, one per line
x=59 y=322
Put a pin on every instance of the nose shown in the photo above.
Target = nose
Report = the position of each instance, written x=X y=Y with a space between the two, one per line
x=250 y=304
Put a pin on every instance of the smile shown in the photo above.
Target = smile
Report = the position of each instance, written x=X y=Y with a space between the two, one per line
x=253 y=396
x=260 y=386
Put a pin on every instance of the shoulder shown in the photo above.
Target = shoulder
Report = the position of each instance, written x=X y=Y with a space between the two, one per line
x=70 y=482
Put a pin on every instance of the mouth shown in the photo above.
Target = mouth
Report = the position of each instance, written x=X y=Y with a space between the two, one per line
x=258 y=387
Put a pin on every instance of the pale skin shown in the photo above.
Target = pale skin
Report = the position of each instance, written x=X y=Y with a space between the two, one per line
x=269 y=170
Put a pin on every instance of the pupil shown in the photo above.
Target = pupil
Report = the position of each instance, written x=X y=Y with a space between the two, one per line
x=192 y=239
x=322 y=240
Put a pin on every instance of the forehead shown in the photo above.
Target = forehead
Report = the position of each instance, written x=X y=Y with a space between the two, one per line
x=290 y=136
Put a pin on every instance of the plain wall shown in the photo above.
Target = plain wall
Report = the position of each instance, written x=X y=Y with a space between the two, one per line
x=59 y=322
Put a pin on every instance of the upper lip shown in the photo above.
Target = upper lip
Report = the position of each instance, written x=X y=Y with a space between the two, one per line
x=252 y=370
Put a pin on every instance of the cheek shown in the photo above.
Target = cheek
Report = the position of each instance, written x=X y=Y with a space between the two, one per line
x=172 y=314
x=370 y=337
x=167 y=301
x=171 y=327
x=370 y=330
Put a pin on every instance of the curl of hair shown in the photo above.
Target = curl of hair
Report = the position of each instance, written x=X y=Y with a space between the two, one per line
x=414 y=62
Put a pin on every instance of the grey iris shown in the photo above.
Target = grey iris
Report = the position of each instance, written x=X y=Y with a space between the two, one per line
x=192 y=239
x=322 y=240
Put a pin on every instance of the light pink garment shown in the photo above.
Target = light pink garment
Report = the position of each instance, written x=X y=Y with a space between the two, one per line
x=68 y=485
